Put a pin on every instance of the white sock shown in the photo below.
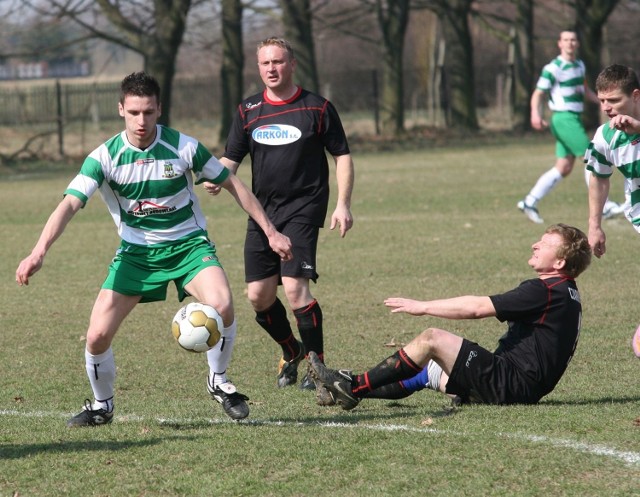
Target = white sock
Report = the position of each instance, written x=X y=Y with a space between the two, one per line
x=544 y=185
x=219 y=356
x=101 y=370
x=434 y=372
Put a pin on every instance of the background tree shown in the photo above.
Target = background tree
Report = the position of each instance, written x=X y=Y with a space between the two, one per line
x=393 y=17
x=453 y=16
x=231 y=70
x=591 y=16
x=523 y=64
x=154 y=30
x=297 y=20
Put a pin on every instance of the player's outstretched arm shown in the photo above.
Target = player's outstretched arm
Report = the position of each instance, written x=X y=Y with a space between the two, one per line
x=52 y=230
x=278 y=242
x=465 y=307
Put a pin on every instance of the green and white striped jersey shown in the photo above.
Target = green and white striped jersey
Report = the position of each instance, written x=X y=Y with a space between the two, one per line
x=150 y=193
x=564 y=80
x=614 y=148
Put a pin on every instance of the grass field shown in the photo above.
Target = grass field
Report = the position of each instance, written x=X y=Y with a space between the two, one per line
x=431 y=223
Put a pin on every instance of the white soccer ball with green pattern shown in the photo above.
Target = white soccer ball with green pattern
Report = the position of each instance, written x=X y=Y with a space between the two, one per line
x=196 y=327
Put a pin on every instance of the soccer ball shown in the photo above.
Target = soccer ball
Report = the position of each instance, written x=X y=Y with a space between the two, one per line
x=196 y=327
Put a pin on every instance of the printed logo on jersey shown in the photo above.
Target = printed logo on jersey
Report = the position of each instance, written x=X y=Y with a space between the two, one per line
x=636 y=141
x=168 y=171
x=276 y=134
x=574 y=294
x=146 y=208
x=142 y=162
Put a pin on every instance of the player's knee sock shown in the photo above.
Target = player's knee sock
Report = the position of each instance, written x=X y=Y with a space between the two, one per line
x=219 y=356
x=394 y=368
x=429 y=377
x=543 y=186
x=392 y=391
x=274 y=321
x=101 y=370
x=309 y=321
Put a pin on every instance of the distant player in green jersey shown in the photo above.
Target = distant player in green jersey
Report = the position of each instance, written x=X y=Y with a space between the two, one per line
x=563 y=80
x=145 y=175
x=616 y=144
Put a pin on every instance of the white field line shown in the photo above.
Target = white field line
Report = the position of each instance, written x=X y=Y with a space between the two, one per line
x=631 y=458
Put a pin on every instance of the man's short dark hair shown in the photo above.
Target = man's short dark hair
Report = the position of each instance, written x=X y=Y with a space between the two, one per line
x=139 y=84
x=617 y=77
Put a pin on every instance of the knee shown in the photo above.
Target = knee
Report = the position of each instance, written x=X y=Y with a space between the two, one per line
x=98 y=341
x=225 y=309
x=298 y=293
x=260 y=300
x=565 y=165
x=428 y=339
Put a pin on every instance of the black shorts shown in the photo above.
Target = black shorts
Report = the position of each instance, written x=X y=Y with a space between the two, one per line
x=480 y=376
x=261 y=262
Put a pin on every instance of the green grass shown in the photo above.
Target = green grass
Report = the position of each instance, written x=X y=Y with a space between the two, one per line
x=431 y=223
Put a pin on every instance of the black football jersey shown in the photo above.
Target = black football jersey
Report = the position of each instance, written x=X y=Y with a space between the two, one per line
x=544 y=317
x=287 y=142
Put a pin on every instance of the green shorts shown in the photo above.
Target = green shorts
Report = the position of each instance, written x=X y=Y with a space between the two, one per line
x=147 y=271
x=571 y=138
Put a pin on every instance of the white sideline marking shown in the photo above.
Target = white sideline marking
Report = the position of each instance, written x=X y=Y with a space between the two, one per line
x=628 y=457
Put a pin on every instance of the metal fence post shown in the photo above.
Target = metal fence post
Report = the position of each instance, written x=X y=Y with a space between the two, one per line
x=59 y=117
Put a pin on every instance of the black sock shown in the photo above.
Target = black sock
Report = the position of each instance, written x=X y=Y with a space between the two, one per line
x=274 y=321
x=390 y=391
x=309 y=320
x=394 y=368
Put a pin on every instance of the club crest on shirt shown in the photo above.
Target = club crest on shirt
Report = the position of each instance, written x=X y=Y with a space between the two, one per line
x=168 y=171
x=276 y=134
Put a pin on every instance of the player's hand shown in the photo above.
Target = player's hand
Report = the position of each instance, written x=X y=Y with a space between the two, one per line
x=597 y=241
x=211 y=188
x=342 y=216
x=538 y=123
x=281 y=245
x=410 y=306
x=27 y=268
x=625 y=123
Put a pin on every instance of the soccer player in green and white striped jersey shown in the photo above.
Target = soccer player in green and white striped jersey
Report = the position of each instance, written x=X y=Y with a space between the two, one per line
x=563 y=79
x=145 y=175
x=616 y=144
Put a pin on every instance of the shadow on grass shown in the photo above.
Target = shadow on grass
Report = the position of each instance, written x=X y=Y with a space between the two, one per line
x=588 y=402
x=18 y=451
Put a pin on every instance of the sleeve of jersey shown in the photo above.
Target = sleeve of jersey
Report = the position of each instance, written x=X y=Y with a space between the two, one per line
x=546 y=79
x=87 y=181
x=207 y=168
x=528 y=300
x=596 y=157
x=237 y=146
x=335 y=139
